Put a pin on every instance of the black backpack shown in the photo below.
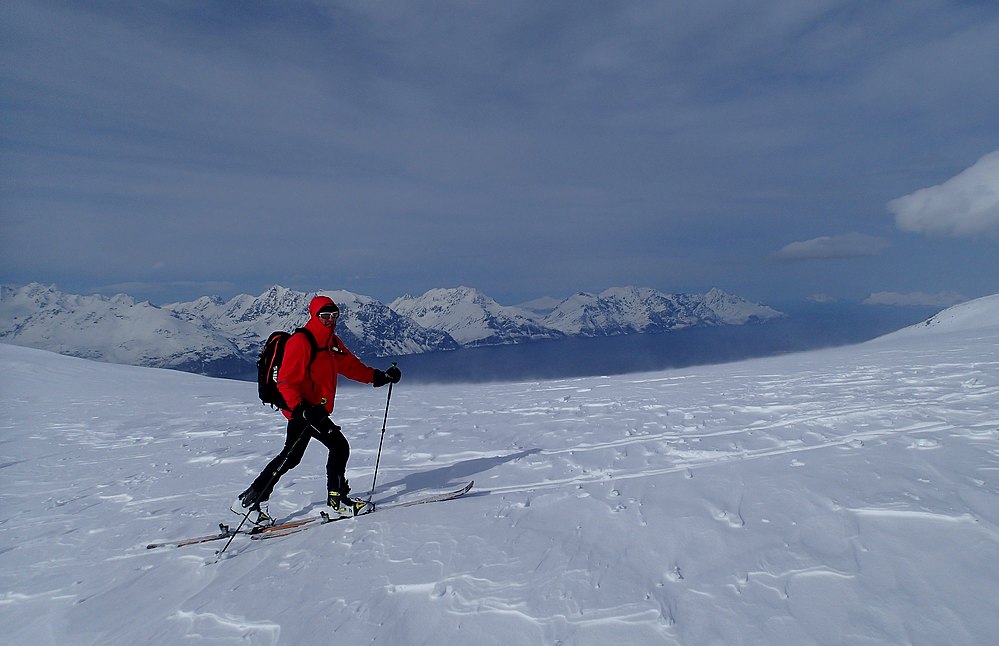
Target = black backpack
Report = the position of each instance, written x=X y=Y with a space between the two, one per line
x=269 y=364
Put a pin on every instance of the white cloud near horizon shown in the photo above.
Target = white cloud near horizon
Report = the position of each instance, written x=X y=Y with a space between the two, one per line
x=850 y=245
x=941 y=299
x=963 y=206
x=822 y=298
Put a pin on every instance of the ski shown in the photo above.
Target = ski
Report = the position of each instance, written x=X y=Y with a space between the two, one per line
x=325 y=518
x=294 y=526
x=439 y=497
x=322 y=519
x=226 y=532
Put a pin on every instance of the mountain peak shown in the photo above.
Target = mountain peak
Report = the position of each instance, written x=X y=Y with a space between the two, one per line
x=472 y=318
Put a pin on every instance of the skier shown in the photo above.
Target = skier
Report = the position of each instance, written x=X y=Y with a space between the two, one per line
x=307 y=382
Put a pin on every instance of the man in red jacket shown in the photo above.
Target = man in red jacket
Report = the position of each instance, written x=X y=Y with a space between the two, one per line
x=307 y=381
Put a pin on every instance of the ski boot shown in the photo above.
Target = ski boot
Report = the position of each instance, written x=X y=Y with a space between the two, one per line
x=246 y=504
x=340 y=505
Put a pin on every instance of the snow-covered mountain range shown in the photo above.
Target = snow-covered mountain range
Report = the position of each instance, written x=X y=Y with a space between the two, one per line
x=367 y=326
x=472 y=318
x=116 y=330
x=222 y=338
x=626 y=310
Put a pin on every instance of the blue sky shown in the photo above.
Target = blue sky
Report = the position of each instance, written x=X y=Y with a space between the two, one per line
x=782 y=150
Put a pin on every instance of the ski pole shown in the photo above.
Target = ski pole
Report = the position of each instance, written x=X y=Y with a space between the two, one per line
x=274 y=475
x=374 y=478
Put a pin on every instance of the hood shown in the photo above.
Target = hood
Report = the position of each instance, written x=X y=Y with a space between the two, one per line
x=318 y=303
x=321 y=333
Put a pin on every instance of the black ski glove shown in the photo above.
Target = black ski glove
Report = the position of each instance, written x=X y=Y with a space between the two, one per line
x=390 y=376
x=311 y=414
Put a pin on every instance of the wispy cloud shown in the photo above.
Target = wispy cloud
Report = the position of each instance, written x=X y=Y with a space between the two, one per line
x=941 y=299
x=850 y=245
x=822 y=298
x=965 y=205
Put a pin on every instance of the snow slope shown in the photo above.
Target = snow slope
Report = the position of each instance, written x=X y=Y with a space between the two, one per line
x=979 y=317
x=847 y=496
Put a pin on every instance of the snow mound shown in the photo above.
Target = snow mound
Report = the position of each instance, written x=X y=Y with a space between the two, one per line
x=978 y=315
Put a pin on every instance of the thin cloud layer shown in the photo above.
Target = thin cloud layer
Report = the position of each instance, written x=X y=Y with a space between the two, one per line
x=963 y=206
x=912 y=299
x=850 y=245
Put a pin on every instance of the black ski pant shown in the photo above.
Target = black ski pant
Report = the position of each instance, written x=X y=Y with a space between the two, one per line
x=299 y=434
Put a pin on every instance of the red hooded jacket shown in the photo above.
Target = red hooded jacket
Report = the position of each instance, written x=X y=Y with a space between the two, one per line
x=314 y=384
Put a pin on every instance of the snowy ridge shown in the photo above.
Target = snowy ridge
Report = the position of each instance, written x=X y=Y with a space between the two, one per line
x=626 y=310
x=472 y=318
x=732 y=310
x=844 y=496
x=223 y=338
x=385 y=331
x=248 y=319
x=368 y=327
x=118 y=330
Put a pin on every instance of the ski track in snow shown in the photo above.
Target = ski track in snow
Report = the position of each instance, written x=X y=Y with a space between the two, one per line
x=840 y=496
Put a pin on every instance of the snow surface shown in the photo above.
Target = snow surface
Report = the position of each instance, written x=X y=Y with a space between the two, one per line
x=845 y=496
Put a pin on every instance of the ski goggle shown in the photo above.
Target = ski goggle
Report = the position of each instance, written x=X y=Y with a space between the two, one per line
x=329 y=316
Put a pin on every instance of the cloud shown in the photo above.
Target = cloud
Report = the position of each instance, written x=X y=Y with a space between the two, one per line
x=965 y=205
x=822 y=298
x=850 y=245
x=940 y=299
